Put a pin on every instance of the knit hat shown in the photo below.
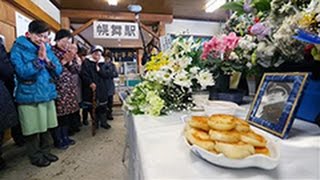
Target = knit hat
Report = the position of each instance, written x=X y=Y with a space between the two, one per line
x=97 y=48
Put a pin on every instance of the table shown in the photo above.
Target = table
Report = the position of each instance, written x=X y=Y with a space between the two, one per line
x=157 y=151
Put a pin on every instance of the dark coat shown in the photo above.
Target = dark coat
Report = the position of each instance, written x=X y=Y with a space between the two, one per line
x=112 y=73
x=8 y=114
x=90 y=74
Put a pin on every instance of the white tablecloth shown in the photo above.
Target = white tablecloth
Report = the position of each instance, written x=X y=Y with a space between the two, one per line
x=157 y=151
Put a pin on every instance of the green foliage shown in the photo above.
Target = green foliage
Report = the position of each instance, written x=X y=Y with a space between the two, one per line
x=236 y=6
x=262 y=5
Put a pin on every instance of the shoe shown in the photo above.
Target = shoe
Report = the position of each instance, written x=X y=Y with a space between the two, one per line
x=106 y=126
x=66 y=138
x=58 y=140
x=85 y=122
x=110 y=118
x=70 y=141
x=3 y=163
x=61 y=145
x=42 y=162
x=51 y=157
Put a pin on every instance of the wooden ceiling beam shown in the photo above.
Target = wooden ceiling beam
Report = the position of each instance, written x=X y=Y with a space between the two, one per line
x=149 y=31
x=115 y=16
x=32 y=9
x=73 y=29
x=83 y=27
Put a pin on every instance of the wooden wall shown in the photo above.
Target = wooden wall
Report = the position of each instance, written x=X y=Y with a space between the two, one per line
x=8 y=22
x=8 y=27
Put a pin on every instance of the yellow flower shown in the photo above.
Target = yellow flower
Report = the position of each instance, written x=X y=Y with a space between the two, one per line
x=157 y=62
x=307 y=19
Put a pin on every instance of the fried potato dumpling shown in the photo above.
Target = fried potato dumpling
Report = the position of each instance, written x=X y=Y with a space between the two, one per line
x=199 y=134
x=225 y=136
x=235 y=151
x=262 y=150
x=200 y=122
x=241 y=125
x=253 y=139
x=222 y=122
x=205 y=144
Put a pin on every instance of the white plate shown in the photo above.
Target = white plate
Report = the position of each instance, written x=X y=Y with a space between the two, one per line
x=257 y=160
x=221 y=107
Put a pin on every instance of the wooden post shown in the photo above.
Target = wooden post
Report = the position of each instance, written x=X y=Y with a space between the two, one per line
x=65 y=23
x=162 y=29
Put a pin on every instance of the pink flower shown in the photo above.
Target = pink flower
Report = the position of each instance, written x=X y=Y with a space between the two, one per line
x=231 y=41
x=216 y=44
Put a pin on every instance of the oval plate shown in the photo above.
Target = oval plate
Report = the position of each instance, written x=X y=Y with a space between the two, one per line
x=256 y=160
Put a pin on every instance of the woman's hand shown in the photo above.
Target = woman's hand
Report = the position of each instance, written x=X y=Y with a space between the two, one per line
x=93 y=86
x=42 y=53
x=67 y=58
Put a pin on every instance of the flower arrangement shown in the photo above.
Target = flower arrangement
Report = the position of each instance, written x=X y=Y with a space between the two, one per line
x=268 y=26
x=309 y=24
x=220 y=55
x=170 y=78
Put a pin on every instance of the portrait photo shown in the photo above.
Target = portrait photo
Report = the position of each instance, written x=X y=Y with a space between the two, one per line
x=273 y=101
x=273 y=108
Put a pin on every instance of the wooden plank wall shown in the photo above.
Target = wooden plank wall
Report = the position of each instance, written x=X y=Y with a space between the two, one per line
x=8 y=22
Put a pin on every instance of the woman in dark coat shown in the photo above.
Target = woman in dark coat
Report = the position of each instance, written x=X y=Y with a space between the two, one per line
x=112 y=71
x=94 y=74
x=8 y=114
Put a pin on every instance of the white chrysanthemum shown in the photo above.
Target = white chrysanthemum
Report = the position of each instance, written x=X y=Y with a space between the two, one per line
x=182 y=79
x=205 y=78
x=164 y=77
x=233 y=56
x=194 y=70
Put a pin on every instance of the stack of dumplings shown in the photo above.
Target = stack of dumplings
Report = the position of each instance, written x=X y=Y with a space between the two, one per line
x=226 y=134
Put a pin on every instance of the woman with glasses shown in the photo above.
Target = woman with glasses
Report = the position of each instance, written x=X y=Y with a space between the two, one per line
x=66 y=102
x=36 y=69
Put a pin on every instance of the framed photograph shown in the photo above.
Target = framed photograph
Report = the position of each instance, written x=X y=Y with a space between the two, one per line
x=274 y=105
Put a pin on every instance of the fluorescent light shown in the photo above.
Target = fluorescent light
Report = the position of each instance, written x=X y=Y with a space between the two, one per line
x=213 y=5
x=113 y=2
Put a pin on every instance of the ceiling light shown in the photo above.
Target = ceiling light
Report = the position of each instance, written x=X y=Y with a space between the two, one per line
x=213 y=5
x=135 y=8
x=113 y=2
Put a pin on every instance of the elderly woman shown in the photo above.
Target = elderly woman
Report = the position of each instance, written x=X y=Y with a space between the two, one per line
x=94 y=75
x=112 y=72
x=66 y=102
x=36 y=70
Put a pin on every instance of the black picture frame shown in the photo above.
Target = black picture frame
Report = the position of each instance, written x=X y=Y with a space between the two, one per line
x=275 y=102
